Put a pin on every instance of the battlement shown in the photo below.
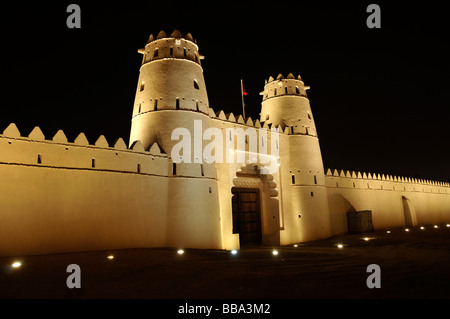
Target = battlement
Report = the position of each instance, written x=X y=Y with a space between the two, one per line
x=58 y=152
x=352 y=179
x=174 y=46
x=281 y=85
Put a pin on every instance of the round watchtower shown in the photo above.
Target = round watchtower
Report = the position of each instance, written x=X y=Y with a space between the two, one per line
x=285 y=103
x=170 y=78
x=170 y=95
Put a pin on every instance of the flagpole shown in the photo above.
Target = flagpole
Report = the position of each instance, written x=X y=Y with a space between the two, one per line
x=243 y=104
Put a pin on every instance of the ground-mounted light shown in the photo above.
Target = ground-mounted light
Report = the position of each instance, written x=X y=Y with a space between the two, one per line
x=16 y=264
x=234 y=252
x=406 y=229
x=448 y=225
x=275 y=252
x=421 y=227
x=295 y=245
x=340 y=246
x=388 y=231
x=436 y=226
x=180 y=251
x=110 y=257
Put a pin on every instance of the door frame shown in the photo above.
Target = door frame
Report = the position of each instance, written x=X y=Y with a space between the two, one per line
x=235 y=192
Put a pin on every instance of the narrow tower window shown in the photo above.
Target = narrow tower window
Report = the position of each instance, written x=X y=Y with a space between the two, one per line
x=174 y=168
x=315 y=179
x=293 y=179
x=39 y=159
x=139 y=111
x=142 y=86
x=297 y=90
x=196 y=85
x=309 y=115
x=93 y=163
x=177 y=103
x=196 y=105
x=201 y=170
x=171 y=51
x=138 y=168
x=274 y=91
x=156 y=104
x=285 y=90
x=184 y=52
x=155 y=53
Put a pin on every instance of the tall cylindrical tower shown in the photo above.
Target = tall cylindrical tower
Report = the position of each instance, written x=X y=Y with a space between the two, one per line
x=170 y=95
x=285 y=103
x=170 y=79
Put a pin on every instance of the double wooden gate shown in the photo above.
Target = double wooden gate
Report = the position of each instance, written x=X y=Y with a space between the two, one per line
x=246 y=215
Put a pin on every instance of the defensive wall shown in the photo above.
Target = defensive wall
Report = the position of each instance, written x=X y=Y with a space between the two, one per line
x=60 y=196
x=395 y=201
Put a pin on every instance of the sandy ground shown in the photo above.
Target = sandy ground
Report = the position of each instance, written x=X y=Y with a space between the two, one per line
x=414 y=264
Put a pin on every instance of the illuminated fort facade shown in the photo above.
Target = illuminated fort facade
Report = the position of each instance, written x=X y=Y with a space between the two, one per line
x=62 y=196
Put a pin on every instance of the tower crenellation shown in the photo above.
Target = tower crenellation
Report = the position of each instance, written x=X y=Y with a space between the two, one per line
x=170 y=78
x=289 y=85
x=174 y=46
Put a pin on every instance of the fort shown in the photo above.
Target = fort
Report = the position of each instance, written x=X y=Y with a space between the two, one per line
x=67 y=196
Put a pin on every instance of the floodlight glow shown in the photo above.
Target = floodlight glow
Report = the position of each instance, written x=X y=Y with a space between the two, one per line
x=275 y=252
x=366 y=238
x=436 y=226
x=388 y=231
x=180 y=251
x=448 y=225
x=16 y=264
x=406 y=229
x=340 y=246
x=234 y=252
x=421 y=227
x=295 y=245
x=110 y=257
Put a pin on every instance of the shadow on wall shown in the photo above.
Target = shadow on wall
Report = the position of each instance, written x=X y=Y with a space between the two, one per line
x=339 y=207
x=409 y=212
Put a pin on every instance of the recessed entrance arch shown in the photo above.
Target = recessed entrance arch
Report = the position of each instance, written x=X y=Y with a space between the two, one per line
x=256 y=212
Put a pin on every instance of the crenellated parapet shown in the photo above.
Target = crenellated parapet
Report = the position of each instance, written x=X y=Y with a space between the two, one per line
x=352 y=179
x=173 y=46
x=230 y=118
x=279 y=86
x=57 y=152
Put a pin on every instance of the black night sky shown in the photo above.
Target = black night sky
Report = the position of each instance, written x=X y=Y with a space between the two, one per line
x=380 y=97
